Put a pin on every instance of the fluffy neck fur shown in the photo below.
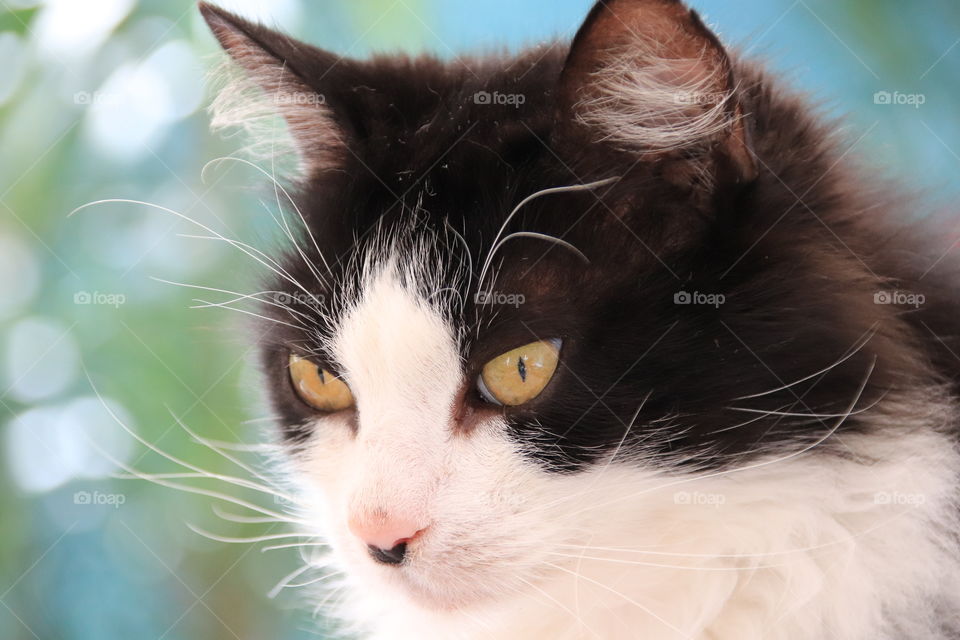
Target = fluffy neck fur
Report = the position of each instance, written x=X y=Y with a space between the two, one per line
x=853 y=546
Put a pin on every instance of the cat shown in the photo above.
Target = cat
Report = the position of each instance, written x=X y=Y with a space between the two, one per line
x=606 y=339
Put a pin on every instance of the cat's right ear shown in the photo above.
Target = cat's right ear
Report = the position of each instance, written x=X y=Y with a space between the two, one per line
x=274 y=79
x=648 y=77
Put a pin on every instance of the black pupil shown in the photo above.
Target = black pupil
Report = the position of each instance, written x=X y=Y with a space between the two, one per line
x=522 y=369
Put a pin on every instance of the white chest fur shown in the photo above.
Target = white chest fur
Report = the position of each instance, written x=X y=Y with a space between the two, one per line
x=814 y=547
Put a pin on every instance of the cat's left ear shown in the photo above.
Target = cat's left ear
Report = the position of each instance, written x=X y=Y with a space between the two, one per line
x=648 y=77
x=278 y=77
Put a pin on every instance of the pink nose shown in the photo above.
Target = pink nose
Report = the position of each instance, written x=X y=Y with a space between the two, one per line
x=383 y=531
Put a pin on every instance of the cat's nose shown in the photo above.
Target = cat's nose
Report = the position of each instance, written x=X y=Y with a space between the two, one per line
x=386 y=537
x=388 y=556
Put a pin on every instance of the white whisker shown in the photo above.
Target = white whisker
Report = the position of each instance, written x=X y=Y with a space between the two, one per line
x=307 y=583
x=286 y=580
x=239 y=297
x=856 y=348
x=256 y=254
x=757 y=465
x=277 y=185
x=562 y=606
x=292 y=545
x=250 y=251
x=679 y=567
x=207 y=303
x=617 y=593
x=539 y=194
x=541 y=236
x=263 y=448
x=213 y=447
x=249 y=540
x=233 y=517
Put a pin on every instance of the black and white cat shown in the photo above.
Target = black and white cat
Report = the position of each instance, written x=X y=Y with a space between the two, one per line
x=609 y=339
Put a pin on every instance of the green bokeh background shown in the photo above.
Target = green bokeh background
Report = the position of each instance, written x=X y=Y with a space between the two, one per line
x=105 y=99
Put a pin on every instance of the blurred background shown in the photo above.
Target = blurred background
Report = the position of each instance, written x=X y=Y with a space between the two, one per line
x=106 y=99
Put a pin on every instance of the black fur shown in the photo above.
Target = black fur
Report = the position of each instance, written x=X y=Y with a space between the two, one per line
x=798 y=252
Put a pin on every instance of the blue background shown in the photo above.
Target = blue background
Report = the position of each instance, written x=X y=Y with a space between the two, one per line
x=105 y=98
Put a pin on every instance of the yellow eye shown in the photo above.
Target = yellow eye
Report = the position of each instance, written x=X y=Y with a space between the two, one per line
x=519 y=375
x=318 y=387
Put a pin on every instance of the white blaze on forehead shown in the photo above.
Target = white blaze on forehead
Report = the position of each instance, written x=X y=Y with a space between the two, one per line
x=400 y=357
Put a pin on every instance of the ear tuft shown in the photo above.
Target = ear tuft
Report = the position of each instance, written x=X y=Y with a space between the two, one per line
x=663 y=105
x=260 y=84
x=650 y=78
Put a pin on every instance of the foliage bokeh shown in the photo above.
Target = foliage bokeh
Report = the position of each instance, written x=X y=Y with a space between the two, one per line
x=105 y=99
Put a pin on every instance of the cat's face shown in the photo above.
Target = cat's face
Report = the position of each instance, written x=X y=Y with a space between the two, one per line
x=418 y=460
x=453 y=382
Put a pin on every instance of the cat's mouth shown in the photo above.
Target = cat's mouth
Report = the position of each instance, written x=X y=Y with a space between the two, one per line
x=436 y=580
x=428 y=596
x=441 y=590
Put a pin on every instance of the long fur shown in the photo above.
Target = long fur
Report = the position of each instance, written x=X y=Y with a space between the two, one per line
x=747 y=435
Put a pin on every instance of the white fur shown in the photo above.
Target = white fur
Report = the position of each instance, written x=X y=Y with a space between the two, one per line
x=279 y=118
x=649 y=102
x=797 y=547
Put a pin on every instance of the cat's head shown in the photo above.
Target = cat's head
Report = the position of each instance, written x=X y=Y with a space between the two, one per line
x=506 y=272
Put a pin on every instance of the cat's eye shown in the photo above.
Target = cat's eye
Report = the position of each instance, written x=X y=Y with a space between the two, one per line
x=318 y=387
x=519 y=375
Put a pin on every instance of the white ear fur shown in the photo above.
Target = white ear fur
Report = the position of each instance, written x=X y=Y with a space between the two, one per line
x=274 y=109
x=294 y=130
x=647 y=103
x=650 y=78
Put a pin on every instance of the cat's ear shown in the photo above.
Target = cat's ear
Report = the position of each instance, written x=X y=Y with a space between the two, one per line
x=271 y=78
x=650 y=78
